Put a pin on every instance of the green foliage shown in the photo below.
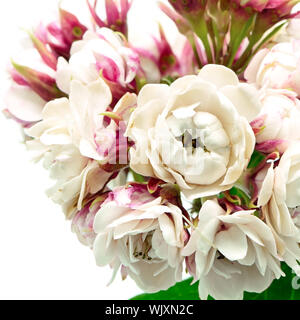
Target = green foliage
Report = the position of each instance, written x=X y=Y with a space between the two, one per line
x=279 y=290
x=196 y=206
x=181 y=291
x=256 y=159
x=167 y=80
x=241 y=195
x=137 y=177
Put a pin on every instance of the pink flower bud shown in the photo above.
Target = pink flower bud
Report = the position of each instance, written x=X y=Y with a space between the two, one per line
x=276 y=68
x=181 y=23
x=132 y=197
x=49 y=57
x=269 y=146
x=82 y=223
x=116 y=14
x=188 y=6
x=165 y=60
x=278 y=122
x=71 y=28
x=41 y=83
x=283 y=7
x=59 y=36
x=24 y=124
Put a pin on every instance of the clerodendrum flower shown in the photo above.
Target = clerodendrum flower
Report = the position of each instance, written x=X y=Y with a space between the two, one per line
x=231 y=254
x=195 y=132
x=276 y=68
x=34 y=82
x=142 y=233
x=227 y=139
x=83 y=219
x=277 y=124
x=103 y=54
x=279 y=199
x=75 y=142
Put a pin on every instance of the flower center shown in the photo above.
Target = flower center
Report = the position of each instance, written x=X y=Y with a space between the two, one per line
x=198 y=147
x=143 y=246
x=188 y=141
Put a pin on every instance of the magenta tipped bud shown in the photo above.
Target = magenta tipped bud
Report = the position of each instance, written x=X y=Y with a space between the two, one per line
x=281 y=8
x=112 y=12
x=41 y=83
x=116 y=14
x=188 y=6
x=71 y=28
x=48 y=56
x=180 y=22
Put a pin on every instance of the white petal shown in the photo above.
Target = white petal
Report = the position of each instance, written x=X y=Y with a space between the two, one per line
x=266 y=190
x=24 y=103
x=219 y=75
x=232 y=243
x=245 y=99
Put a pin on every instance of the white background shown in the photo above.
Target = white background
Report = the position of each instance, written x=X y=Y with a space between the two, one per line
x=40 y=258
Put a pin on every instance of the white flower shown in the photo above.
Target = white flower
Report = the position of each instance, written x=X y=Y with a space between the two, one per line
x=73 y=141
x=142 y=233
x=276 y=68
x=279 y=119
x=102 y=53
x=233 y=253
x=279 y=196
x=195 y=132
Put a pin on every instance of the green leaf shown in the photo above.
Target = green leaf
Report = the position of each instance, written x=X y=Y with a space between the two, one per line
x=281 y=289
x=234 y=191
x=137 y=177
x=181 y=291
x=256 y=158
x=269 y=36
x=258 y=46
x=167 y=80
x=238 y=34
x=200 y=28
x=196 y=206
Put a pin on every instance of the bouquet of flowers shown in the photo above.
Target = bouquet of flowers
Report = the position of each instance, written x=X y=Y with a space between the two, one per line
x=170 y=158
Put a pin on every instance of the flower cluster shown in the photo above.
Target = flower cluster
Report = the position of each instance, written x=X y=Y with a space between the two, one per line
x=160 y=165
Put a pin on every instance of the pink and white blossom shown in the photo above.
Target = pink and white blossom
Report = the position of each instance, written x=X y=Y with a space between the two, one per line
x=83 y=220
x=194 y=132
x=142 y=233
x=279 y=199
x=156 y=64
x=155 y=165
x=34 y=71
x=276 y=68
x=33 y=85
x=56 y=38
x=103 y=54
x=230 y=254
x=278 y=121
x=75 y=142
